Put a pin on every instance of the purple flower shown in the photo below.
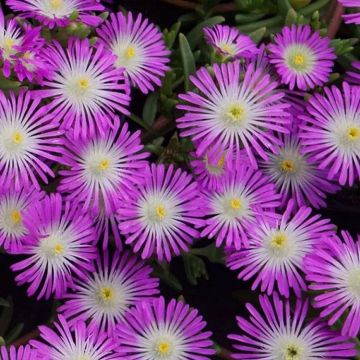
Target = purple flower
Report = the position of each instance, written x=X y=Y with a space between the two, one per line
x=12 y=205
x=351 y=18
x=335 y=271
x=239 y=203
x=229 y=42
x=277 y=250
x=331 y=132
x=161 y=216
x=86 y=88
x=301 y=57
x=20 y=353
x=296 y=175
x=29 y=137
x=59 y=243
x=353 y=76
x=104 y=168
x=158 y=331
x=139 y=49
x=280 y=332
x=103 y=297
x=62 y=343
x=53 y=13
x=232 y=113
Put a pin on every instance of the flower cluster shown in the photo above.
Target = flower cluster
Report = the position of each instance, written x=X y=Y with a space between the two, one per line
x=90 y=209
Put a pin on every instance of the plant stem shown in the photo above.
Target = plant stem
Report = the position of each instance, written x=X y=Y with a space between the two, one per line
x=335 y=20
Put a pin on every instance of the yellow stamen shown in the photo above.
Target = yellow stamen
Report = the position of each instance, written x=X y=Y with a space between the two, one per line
x=353 y=133
x=164 y=348
x=106 y=293
x=293 y=352
x=83 y=83
x=221 y=162
x=160 y=212
x=287 y=166
x=279 y=240
x=104 y=164
x=56 y=4
x=130 y=52
x=58 y=249
x=235 y=204
x=299 y=59
x=17 y=138
x=9 y=43
x=236 y=113
x=15 y=216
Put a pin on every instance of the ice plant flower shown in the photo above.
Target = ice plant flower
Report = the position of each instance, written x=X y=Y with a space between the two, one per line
x=21 y=353
x=229 y=42
x=29 y=140
x=281 y=332
x=232 y=210
x=351 y=18
x=160 y=331
x=53 y=13
x=12 y=205
x=296 y=175
x=331 y=132
x=231 y=113
x=301 y=57
x=103 y=168
x=162 y=216
x=59 y=244
x=103 y=297
x=353 y=76
x=275 y=257
x=61 y=342
x=86 y=88
x=335 y=272
x=139 y=49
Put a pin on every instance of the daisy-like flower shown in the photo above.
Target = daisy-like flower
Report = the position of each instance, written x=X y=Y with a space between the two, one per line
x=29 y=137
x=162 y=215
x=12 y=205
x=280 y=333
x=139 y=49
x=232 y=113
x=229 y=42
x=351 y=18
x=59 y=244
x=103 y=297
x=53 y=13
x=353 y=76
x=301 y=57
x=237 y=205
x=86 y=87
x=277 y=250
x=331 y=132
x=103 y=167
x=21 y=353
x=63 y=343
x=296 y=175
x=158 y=331
x=335 y=272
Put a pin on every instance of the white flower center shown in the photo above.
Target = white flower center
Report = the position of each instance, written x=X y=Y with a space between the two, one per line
x=235 y=113
x=299 y=58
x=11 y=219
x=353 y=282
x=129 y=54
x=52 y=246
x=229 y=49
x=56 y=8
x=163 y=349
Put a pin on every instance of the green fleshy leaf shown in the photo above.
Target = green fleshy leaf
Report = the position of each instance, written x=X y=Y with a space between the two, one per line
x=150 y=108
x=258 y=34
x=4 y=303
x=195 y=268
x=188 y=60
x=14 y=333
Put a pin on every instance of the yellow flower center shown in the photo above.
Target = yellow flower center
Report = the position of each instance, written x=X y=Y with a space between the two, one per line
x=15 y=216
x=9 y=43
x=160 y=212
x=235 y=204
x=164 y=348
x=299 y=59
x=279 y=240
x=104 y=164
x=353 y=133
x=56 y=4
x=106 y=293
x=130 y=52
x=83 y=83
x=288 y=166
x=17 y=138
x=236 y=113
x=226 y=48
x=58 y=249
x=299 y=62
x=221 y=162
x=293 y=352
